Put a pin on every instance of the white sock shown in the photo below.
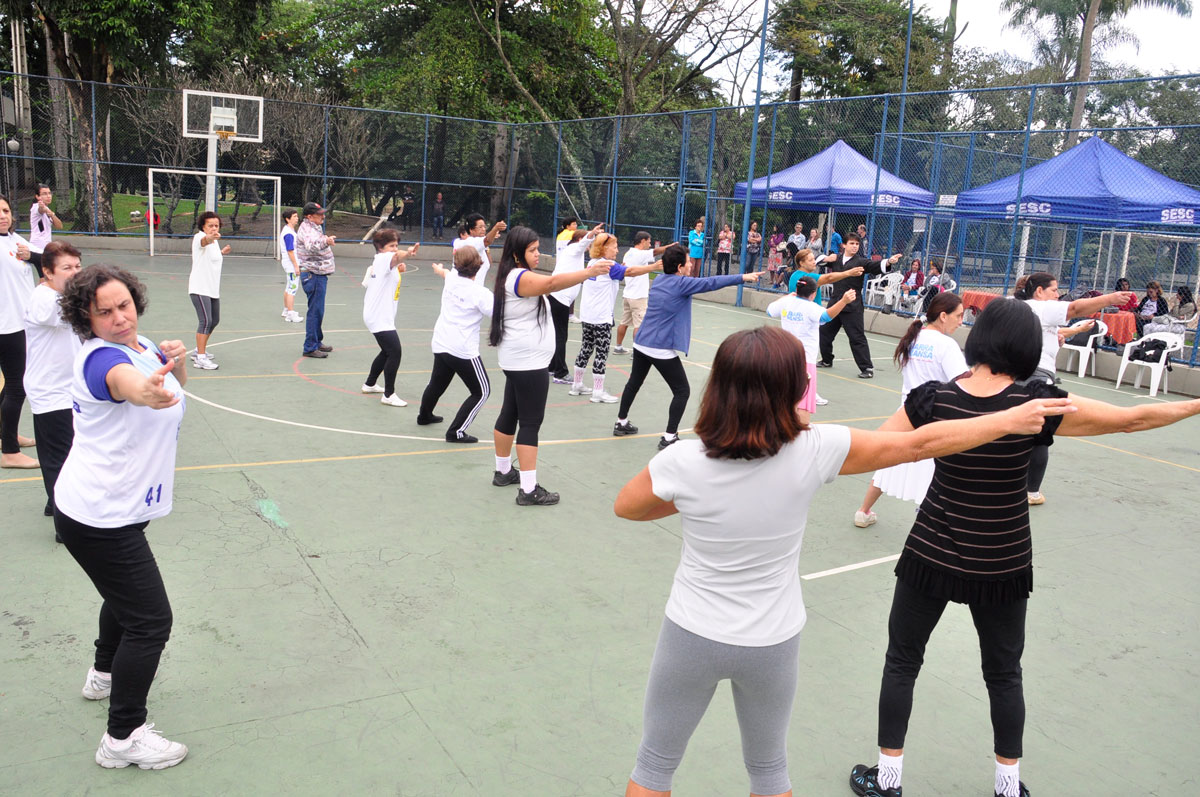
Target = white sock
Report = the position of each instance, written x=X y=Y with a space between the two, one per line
x=1008 y=780
x=669 y=435
x=528 y=480
x=889 y=770
x=578 y=380
x=504 y=464
x=597 y=383
x=623 y=421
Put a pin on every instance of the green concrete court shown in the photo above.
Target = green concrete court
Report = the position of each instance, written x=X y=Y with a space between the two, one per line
x=358 y=611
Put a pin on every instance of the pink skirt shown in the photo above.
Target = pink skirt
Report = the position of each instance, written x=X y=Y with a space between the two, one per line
x=808 y=402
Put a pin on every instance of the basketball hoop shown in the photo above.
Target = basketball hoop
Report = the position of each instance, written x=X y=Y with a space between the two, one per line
x=224 y=140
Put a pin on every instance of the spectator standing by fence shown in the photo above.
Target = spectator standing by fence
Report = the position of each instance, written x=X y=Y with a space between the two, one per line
x=696 y=246
x=439 y=216
x=724 y=249
x=753 y=247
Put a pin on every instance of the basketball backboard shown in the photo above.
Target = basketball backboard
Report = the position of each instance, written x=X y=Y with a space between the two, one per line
x=208 y=113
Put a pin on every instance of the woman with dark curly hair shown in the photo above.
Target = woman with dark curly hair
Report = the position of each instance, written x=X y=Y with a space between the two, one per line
x=120 y=475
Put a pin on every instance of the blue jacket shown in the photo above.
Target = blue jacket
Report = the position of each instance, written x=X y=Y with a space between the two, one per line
x=668 y=321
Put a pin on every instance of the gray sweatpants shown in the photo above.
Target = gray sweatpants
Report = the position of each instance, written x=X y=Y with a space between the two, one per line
x=683 y=679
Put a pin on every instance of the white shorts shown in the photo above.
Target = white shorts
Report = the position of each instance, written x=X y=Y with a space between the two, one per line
x=291 y=283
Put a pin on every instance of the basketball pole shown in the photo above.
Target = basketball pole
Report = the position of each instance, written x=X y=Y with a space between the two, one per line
x=210 y=188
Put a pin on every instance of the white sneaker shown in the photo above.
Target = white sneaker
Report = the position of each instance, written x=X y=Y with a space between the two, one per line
x=372 y=388
x=293 y=317
x=603 y=398
x=821 y=402
x=579 y=390
x=864 y=519
x=204 y=362
x=393 y=401
x=284 y=314
x=573 y=319
x=98 y=684
x=620 y=350
x=145 y=747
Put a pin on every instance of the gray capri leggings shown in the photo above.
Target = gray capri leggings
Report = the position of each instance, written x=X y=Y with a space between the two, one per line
x=683 y=678
x=208 y=313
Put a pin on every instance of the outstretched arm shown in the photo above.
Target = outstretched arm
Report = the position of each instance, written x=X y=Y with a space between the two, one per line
x=1081 y=307
x=837 y=307
x=1097 y=417
x=637 y=500
x=838 y=276
x=533 y=284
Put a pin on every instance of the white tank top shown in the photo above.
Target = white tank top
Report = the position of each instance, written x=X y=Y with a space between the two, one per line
x=284 y=260
x=528 y=343
x=121 y=469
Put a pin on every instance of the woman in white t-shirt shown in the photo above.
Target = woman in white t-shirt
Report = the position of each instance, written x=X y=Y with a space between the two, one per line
x=523 y=335
x=382 y=282
x=128 y=408
x=925 y=353
x=479 y=236
x=50 y=349
x=572 y=251
x=742 y=491
x=16 y=286
x=204 y=284
x=1040 y=292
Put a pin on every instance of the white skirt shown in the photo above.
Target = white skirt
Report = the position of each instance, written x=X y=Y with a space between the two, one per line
x=908 y=481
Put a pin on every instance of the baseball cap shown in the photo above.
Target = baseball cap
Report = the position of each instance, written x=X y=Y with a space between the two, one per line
x=313 y=207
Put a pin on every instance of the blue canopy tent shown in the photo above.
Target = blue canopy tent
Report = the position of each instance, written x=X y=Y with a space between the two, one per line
x=837 y=177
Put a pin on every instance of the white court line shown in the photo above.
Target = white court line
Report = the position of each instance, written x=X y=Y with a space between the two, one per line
x=848 y=568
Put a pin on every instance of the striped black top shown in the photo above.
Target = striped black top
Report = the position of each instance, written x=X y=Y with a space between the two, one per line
x=971 y=541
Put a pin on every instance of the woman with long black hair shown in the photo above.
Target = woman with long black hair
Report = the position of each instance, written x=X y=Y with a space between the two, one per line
x=523 y=334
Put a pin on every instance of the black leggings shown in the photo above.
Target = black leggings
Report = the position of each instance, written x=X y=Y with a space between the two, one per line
x=55 y=431
x=208 y=313
x=12 y=396
x=1001 y=632
x=596 y=337
x=672 y=371
x=525 y=404
x=135 y=617
x=473 y=375
x=387 y=362
x=561 y=315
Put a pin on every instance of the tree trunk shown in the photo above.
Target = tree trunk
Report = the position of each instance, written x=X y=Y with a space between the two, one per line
x=797 y=81
x=500 y=153
x=948 y=42
x=1083 y=71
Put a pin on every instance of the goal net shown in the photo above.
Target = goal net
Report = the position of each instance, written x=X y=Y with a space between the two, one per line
x=249 y=206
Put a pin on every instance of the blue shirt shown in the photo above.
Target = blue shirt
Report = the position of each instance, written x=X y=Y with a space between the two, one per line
x=695 y=244
x=835 y=242
x=794 y=280
x=668 y=321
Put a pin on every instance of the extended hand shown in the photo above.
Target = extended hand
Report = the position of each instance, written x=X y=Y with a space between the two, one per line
x=857 y=271
x=850 y=295
x=1028 y=418
x=226 y=249
x=22 y=252
x=752 y=276
x=330 y=239
x=154 y=395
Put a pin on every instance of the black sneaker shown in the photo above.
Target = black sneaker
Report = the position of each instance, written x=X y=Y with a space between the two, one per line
x=1024 y=790
x=622 y=429
x=664 y=442
x=539 y=497
x=466 y=438
x=425 y=420
x=866 y=373
x=49 y=510
x=823 y=364
x=325 y=347
x=320 y=355
x=864 y=783
x=505 y=479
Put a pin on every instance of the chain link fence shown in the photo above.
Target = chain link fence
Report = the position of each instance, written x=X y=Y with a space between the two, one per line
x=94 y=144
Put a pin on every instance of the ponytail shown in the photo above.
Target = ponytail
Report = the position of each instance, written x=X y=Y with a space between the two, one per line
x=906 y=342
x=1025 y=290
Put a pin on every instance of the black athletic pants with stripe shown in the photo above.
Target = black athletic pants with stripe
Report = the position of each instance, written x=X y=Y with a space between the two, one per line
x=473 y=375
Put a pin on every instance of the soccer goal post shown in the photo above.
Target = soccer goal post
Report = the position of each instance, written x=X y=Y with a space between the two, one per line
x=249 y=206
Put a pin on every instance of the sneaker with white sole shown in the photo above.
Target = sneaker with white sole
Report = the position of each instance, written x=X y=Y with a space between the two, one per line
x=205 y=363
x=560 y=380
x=864 y=519
x=1036 y=499
x=98 y=684
x=821 y=402
x=620 y=350
x=579 y=390
x=145 y=747
x=603 y=397
x=284 y=314
x=295 y=317
x=624 y=429
x=393 y=401
x=371 y=388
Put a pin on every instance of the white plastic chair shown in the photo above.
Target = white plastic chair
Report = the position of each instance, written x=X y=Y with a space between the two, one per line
x=1158 y=370
x=1085 y=351
x=881 y=288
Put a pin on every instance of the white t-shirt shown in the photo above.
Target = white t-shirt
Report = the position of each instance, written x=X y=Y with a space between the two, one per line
x=40 y=229
x=205 y=279
x=50 y=349
x=464 y=306
x=738 y=580
x=933 y=357
x=16 y=284
x=480 y=247
x=383 y=294
x=802 y=318
x=287 y=235
x=121 y=469
x=596 y=300
x=637 y=287
x=1052 y=315
x=656 y=354
x=570 y=259
x=528 y=342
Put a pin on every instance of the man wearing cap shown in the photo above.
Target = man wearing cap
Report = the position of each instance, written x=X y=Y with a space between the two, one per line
x=314 y=251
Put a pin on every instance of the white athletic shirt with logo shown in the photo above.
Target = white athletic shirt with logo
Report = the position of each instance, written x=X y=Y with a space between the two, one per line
x=481 y=247
x=121 y=469
x=570 y=259
x=1052 y=315
x=205 y=279
x=464 y=306
x=383 y=294
x=284 y=260
x=637 y=287
x=933 y=357
x=50 y=349
x=528 y=343
x=40 y=229
x=596 y=300
x=801 y=318
x=16 y=284
x=738 y=580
